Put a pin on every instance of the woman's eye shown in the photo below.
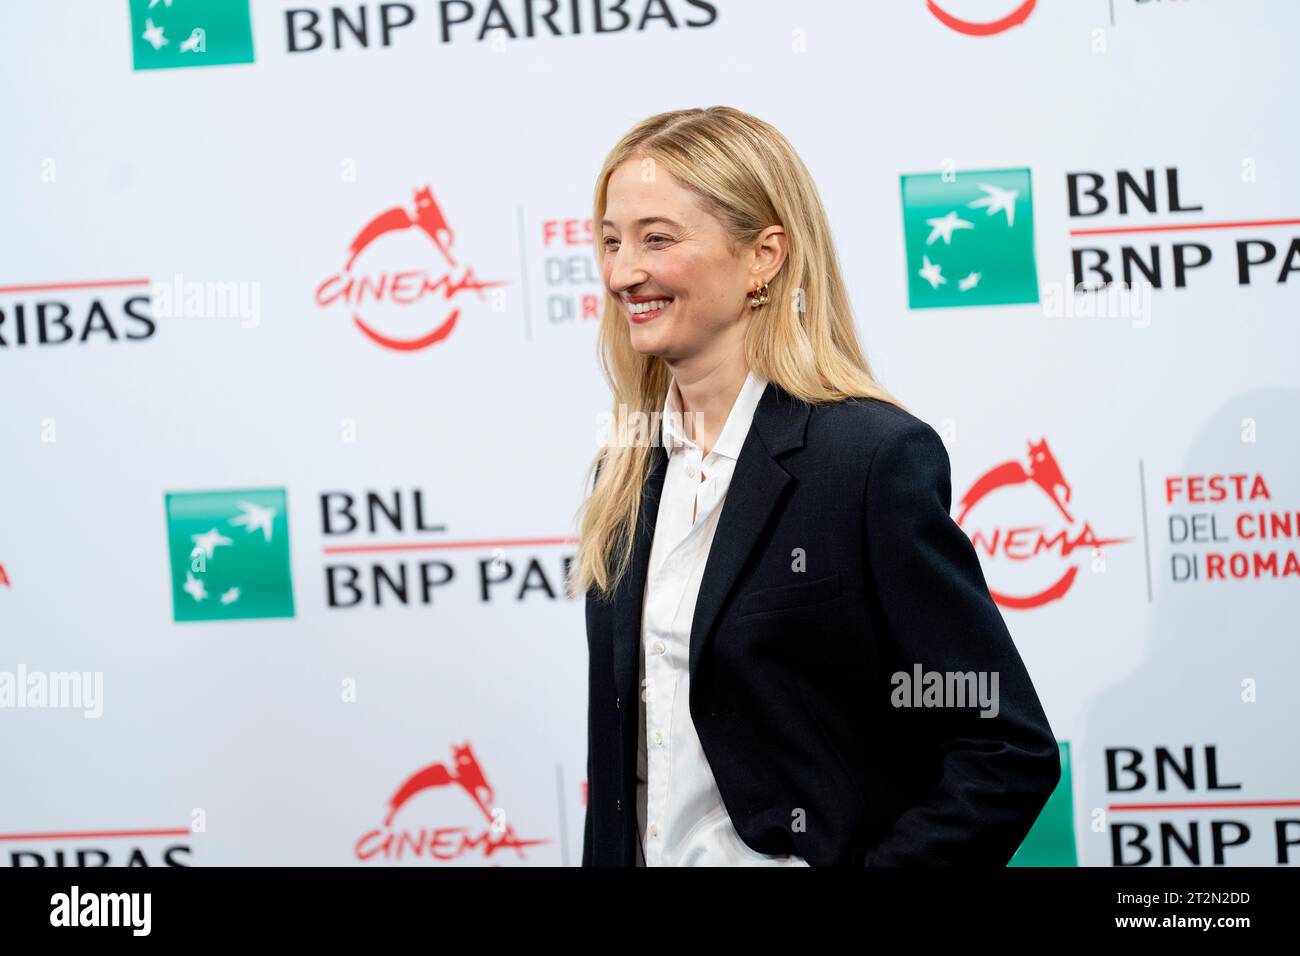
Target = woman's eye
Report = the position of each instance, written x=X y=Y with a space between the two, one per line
x=611 y=239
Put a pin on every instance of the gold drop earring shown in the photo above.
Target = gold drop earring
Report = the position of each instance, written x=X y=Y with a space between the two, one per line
x=759 y=297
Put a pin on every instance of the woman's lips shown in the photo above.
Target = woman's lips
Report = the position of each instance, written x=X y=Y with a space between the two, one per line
x=642 y=317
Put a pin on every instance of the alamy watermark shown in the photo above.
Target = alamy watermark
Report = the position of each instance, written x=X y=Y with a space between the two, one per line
x=75 y=908
x=208 y=299
x=1116 y=300
x=636 y=429
x=923 y=688
x=53 y=690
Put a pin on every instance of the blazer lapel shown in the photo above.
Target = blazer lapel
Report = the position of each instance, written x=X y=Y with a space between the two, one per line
x=779 y=425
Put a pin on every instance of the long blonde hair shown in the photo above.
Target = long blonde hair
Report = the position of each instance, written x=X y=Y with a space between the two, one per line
x=748 y=175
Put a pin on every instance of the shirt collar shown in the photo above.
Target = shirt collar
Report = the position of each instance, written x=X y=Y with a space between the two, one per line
x=737 y=424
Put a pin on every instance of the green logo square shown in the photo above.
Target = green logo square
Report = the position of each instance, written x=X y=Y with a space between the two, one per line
x=1050 y=841
x=176 y=33
x=969 y=238
x=229 y=555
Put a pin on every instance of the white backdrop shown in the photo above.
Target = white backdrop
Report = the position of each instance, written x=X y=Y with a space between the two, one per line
x=127 y=182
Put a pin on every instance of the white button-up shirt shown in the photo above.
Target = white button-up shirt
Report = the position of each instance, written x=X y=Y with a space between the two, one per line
x=681 y=819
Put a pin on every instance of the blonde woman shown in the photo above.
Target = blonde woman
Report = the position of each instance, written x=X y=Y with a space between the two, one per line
x=768 y=567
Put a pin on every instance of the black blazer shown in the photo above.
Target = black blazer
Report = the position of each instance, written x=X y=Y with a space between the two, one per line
x=790 y=671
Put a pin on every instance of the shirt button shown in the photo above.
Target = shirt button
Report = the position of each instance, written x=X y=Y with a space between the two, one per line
x=654 y=829
x=690 y=472
x=659 y=738
x=659 y=647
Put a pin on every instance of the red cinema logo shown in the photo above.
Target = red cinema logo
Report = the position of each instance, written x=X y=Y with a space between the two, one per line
x=984 y=28
x=395 y=294
x=1037 y=543
x=454 y=839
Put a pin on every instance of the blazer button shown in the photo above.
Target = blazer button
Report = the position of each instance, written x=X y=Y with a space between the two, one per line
x=618 y=703
x=619 y=804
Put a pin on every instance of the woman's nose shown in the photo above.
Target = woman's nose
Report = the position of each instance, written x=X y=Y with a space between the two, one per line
x=625 y=272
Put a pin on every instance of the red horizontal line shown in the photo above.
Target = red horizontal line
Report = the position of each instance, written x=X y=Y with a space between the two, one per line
x=440 y=545
x=1223 y=805
x=94 y=834
x=1242 y=224
x=92 y=284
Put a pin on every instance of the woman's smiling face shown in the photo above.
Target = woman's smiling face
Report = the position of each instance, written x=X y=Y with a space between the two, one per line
x=660 y=244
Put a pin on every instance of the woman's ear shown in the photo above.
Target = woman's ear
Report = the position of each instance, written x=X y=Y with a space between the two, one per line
x=770 y=251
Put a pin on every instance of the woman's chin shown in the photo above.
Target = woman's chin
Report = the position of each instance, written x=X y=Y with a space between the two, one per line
x=646 y=341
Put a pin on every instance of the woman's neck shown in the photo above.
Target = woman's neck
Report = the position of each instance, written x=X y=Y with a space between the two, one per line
x=707 y=396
